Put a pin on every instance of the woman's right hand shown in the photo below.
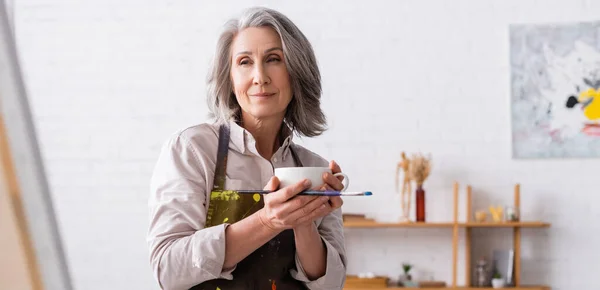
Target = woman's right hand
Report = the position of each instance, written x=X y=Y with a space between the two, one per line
x=284 y=209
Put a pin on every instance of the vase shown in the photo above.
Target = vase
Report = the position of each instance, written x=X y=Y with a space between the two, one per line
x=420 y=203
x=511 y=214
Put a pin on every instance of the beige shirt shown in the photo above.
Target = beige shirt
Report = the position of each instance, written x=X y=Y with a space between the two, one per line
x=184 y=253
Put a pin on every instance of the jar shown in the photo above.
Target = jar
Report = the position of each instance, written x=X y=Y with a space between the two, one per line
x=511 y=214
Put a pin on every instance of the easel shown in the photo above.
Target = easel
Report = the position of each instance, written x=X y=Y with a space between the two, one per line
x=20 y=259
x=32 y=254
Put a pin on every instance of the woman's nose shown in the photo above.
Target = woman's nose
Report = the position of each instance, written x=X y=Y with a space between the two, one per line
x=260 y=76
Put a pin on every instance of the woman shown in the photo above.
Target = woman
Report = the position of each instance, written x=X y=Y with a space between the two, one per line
x=264 y=87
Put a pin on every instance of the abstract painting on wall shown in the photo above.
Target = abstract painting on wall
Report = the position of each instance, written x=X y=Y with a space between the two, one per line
x=555 y=90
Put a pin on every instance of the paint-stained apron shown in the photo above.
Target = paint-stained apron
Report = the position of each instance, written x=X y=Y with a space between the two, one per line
x=267 y=268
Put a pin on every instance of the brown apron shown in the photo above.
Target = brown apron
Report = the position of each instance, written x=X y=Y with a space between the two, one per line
x=267 y=268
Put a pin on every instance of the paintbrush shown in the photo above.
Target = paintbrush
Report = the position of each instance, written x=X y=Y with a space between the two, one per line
x=313 y=192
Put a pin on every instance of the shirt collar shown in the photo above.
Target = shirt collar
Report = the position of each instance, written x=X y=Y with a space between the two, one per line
x=241 y=138
x=236 y=134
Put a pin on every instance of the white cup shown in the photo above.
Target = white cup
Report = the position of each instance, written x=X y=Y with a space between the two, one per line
x=291 y=175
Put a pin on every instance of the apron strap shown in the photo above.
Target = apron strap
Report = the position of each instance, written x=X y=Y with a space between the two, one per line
x=221 y=164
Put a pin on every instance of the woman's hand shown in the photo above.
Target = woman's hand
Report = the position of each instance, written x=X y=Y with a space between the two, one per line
x=330 y=183
x=284 y=209
x=333 y=183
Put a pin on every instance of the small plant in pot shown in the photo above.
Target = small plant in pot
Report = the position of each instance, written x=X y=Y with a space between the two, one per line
x=406 y=279
x=406 y=268
x=497 y=281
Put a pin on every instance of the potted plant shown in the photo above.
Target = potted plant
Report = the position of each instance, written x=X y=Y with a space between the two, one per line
x=406 y=268
x=497 y=280
x=407 y=278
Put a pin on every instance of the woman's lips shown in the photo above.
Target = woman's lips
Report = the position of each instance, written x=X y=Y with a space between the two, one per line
x=262 y=95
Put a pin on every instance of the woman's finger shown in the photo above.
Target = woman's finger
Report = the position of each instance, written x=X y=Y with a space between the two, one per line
x=325 y=187
x=321 y=211
x=336 y=202
x=309 y=208
x=335 y=168
x=294 y=204
x=273 y=184
x=288 y=192
x=332 y=181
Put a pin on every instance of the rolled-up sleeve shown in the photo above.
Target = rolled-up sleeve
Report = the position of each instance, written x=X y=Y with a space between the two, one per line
x=183 y=253
x=332 y=234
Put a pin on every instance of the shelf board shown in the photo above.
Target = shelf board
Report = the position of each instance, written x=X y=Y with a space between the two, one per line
x=453 y=288
x=368 y=224
x=371 y=224
x=533 y=224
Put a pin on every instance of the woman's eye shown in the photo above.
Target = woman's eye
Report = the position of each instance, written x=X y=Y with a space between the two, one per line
x=244 y=62
x=272 y=59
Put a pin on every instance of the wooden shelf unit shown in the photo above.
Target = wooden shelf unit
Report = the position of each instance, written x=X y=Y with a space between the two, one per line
x=468 y=225
x=359 y=224
x=455 y=288
x=533 y=224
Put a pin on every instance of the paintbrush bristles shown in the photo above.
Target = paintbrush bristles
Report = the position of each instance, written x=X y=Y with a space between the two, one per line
x=420 y=168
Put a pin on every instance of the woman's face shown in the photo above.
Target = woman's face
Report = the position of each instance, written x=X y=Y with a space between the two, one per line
x=261 y=82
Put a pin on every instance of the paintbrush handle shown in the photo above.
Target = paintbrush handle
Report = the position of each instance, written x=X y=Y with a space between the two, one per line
x=313 y=192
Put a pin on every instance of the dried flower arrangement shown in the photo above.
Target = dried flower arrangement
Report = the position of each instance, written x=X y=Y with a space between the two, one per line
x=420 y=168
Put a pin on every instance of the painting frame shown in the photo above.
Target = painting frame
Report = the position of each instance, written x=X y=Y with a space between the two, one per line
x=554 y=80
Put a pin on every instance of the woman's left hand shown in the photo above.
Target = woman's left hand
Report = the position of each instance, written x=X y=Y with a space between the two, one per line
x=333 y=183
x=330 y=183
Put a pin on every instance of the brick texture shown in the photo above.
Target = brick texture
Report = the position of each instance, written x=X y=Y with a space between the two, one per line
x=110 y=80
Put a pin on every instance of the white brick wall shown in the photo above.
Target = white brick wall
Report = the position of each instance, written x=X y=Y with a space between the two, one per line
x=110 y=80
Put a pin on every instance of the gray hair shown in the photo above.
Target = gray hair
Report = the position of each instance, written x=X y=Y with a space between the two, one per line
x=304 y=115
